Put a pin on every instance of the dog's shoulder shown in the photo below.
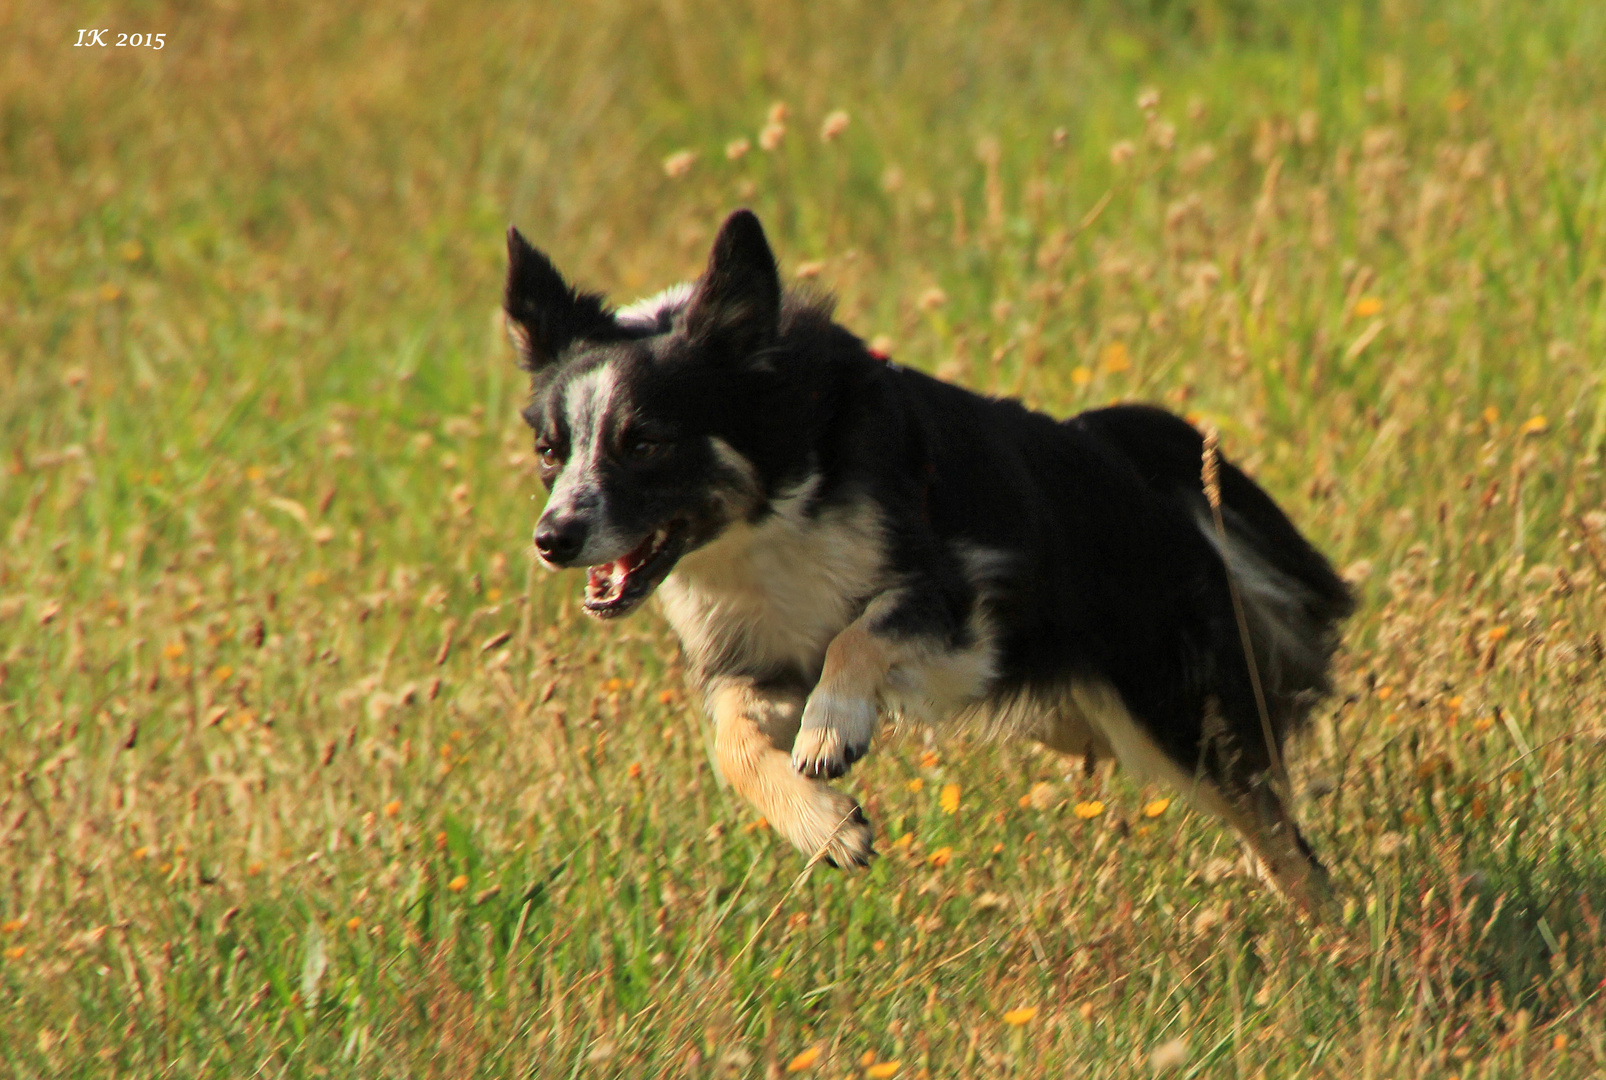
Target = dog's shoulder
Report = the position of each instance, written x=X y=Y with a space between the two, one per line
x=767 y=596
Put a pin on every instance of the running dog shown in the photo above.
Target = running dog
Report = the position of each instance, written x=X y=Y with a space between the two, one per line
x=837 y=540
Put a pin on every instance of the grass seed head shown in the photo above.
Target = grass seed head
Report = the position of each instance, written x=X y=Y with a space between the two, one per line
x=679 y=163
x=1169 y=1055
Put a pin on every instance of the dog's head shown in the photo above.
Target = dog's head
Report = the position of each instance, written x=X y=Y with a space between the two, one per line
x=638 y=414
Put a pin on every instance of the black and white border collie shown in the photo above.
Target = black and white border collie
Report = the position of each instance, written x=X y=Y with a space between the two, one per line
x=837 y=539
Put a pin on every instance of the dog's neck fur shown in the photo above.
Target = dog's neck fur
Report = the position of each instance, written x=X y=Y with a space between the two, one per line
x=765 y=599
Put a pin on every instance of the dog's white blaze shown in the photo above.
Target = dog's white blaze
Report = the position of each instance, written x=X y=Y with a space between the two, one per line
x=586 y=403
x=776 y=594
x=649 y=313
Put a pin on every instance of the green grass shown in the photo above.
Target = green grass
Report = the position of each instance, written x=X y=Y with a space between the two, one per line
x=307 y=771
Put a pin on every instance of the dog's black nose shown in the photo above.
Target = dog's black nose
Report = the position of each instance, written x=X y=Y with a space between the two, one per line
x=559 y=542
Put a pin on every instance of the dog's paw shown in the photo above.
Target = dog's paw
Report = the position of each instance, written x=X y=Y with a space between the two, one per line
x=817 y=819
x=852 y=843
x=823 y=753
x=835 y=733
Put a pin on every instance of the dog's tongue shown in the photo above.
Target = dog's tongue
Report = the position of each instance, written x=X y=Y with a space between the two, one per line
x=608 y=579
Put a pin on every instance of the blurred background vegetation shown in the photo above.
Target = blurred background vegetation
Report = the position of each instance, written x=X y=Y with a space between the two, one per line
x=308 y=772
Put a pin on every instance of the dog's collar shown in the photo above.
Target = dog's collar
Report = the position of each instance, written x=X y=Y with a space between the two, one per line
x=886 y=359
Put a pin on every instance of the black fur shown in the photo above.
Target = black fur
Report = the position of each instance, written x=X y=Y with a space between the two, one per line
x=1109 y=567
x=548 y=315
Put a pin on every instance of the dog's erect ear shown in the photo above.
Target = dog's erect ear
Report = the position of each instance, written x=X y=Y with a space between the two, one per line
x=545 y=313
x=738 y=300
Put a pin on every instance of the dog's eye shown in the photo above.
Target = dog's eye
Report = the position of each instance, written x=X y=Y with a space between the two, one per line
x=548 y=456
x=640 y=448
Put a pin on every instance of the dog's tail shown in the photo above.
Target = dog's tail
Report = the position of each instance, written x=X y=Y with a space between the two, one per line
x=1293 y=599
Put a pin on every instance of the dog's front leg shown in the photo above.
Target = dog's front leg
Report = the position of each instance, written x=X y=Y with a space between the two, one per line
x=903 y=654
x=843 y=712
x=754 y=727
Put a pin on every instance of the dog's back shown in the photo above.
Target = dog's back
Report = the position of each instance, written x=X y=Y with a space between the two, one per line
x=1108 y=561
x=1292 y=596
x=839 y=539
x=1115 y=599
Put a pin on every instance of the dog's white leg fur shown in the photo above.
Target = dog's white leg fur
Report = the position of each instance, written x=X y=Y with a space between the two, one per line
x=1263 y=822
x=865 y=672
x=753 y=729
x=842 y=713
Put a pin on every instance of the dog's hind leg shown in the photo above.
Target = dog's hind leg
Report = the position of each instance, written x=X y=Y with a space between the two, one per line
x=1287 y=861
x=753 y=729
x=1243 y=799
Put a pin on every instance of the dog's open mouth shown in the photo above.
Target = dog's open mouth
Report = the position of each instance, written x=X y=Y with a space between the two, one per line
x=613 y=588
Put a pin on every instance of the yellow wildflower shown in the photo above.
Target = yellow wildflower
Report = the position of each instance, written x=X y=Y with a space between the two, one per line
x=804 y=1060
x=1115 y=357
x=1022 y=1015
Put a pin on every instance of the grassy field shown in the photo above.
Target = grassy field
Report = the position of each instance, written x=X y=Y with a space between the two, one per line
x=308 y=771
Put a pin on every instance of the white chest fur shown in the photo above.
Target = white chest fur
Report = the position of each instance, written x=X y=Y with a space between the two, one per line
x=774 y=595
